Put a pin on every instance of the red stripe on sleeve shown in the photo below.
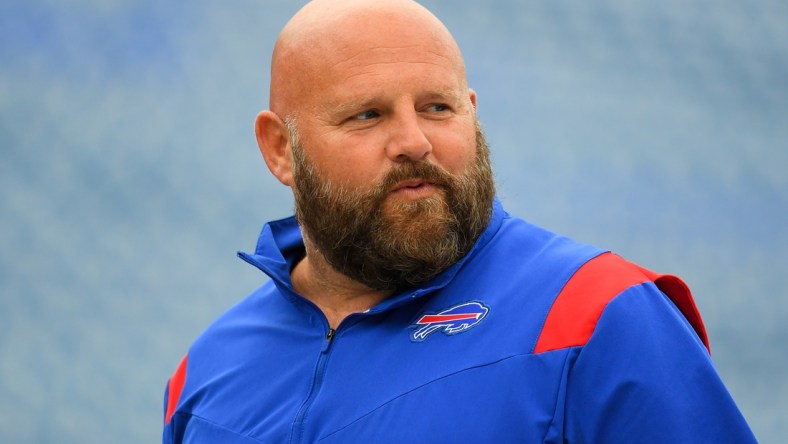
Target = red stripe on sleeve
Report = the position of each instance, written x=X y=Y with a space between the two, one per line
x=576 y=310
x=174 y=389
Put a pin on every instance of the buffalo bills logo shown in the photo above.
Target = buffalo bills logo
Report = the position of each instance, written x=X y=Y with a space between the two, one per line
x=451 y=321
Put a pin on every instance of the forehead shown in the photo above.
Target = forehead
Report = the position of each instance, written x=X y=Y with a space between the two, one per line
x=385 y=69
x=341 y=47
x=380 y=60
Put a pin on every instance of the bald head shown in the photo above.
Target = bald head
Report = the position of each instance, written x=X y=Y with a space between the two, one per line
x=326 y=35
x=371 y=114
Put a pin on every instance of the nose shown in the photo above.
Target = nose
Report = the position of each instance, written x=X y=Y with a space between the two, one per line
x=407 y=142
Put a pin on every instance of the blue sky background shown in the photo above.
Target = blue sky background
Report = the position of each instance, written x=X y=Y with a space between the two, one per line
x=130 y=176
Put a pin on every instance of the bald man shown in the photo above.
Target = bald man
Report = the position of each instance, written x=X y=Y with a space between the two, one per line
x=405 y=305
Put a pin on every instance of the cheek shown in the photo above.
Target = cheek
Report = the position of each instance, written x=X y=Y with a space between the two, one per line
x=348 y=165
x=456 y=151
x=335 y=159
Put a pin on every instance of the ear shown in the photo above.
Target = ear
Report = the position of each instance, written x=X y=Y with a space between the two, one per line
x=273 y=139
x=472 y=96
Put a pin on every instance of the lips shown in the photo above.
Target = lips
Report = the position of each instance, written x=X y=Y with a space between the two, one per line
x=415 y=180
x=410 y=184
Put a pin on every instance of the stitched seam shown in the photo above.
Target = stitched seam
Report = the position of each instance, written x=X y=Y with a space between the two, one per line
x=225 y=428
x=565 y=376
x=418 y=388
x=544 y=319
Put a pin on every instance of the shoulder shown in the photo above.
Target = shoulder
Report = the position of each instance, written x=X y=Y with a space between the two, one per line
x=527 y=248
x=577 y=308
x=218 y=348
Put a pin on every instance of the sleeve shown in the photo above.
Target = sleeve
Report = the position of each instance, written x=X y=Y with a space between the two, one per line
x=172 y=395
x=166 y=437
x=644 y=376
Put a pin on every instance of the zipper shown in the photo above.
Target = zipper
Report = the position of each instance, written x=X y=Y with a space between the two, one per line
x=297 y=432
x=327 y=342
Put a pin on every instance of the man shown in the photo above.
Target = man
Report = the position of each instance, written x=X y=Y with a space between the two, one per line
x=405 y=305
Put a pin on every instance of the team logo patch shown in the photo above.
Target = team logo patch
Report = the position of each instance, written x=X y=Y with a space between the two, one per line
x=451 y=321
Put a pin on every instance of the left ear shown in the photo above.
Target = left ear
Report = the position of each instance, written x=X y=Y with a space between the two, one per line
x=472 y=96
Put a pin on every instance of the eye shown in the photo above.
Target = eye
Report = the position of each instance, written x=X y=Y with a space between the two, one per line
x=438 y=107
x=366 y=115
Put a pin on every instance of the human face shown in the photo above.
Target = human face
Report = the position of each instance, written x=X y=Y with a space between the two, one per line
x=385 y=170
x=376 y=103
x=415 y=241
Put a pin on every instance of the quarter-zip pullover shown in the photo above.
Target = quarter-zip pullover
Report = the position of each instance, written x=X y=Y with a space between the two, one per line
x=530 y=338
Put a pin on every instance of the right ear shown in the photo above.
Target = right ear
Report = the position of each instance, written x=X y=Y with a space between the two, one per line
x=273 y=138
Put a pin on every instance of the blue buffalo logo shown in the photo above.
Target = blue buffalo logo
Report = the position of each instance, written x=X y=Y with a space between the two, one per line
x=451 y=321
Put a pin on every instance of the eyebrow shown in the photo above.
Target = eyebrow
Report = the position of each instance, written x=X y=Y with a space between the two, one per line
x=449 y=94
x=354 y=105
x=347 y=107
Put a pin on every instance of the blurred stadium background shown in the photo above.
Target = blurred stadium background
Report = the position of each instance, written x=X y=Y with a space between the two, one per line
x=130 y=175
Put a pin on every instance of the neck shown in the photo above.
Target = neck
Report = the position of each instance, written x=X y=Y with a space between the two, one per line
x=335 y=294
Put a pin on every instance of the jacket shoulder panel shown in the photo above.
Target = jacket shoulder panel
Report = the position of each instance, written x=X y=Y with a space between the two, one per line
x=577 y=308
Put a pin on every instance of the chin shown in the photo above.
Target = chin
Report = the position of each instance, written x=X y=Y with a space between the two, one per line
x=409 y=209
x=419 y=219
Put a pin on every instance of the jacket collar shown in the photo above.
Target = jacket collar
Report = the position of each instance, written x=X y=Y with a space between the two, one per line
x=280 y=247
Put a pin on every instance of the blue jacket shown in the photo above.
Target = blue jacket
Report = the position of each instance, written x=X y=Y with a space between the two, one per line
x=501 y=347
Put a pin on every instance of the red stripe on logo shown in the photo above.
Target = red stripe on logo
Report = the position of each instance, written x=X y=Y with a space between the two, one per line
x=430 y=319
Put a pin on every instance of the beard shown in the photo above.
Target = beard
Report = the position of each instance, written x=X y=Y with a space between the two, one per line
x=391 y=244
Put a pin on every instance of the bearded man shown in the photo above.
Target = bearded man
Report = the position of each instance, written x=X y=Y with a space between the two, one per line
x=405 y=305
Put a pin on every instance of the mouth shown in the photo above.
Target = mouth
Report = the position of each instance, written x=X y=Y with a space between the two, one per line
x=411 y=184
x=413 y=188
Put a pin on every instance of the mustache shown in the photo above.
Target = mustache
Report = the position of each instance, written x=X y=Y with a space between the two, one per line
x=422 y=170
